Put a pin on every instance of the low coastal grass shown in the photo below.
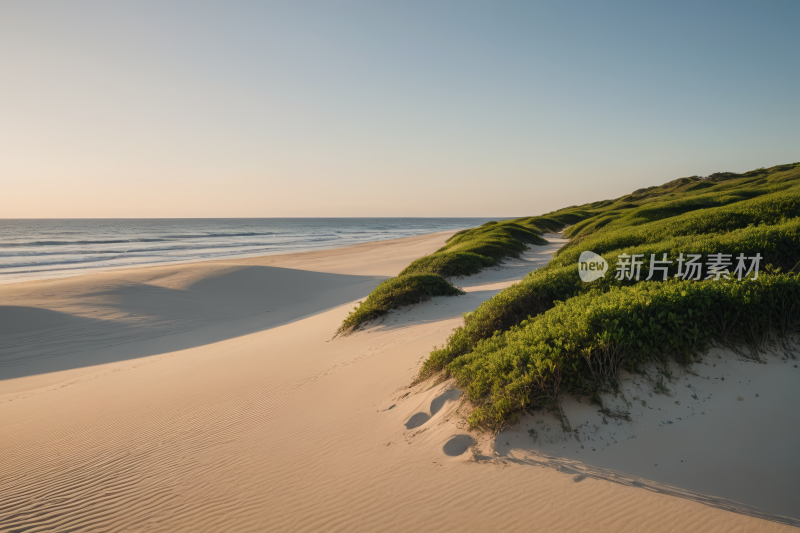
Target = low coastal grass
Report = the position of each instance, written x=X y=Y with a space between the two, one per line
x=579 y=346
x=449 y=264
x=778 y=244
x=465 y=253
x=396 y=292
x=552 y=333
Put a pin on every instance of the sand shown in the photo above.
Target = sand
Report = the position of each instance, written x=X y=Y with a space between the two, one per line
x=212 y=397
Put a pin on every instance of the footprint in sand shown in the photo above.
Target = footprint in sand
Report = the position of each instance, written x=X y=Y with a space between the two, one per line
x=439 y=401
x=417 y=420
x=436 y=405
x=457 y=445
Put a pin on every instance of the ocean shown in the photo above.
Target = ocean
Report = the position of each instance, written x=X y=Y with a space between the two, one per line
x=49 y=248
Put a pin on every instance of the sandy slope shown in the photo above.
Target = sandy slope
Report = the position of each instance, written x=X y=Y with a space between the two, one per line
x=210 y=397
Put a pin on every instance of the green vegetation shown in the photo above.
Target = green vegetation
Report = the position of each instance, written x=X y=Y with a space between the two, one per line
x=394 y=292
x=470 y=251
x=578 y=346
x=552 y=333
x=466 y=253
x=449 y=264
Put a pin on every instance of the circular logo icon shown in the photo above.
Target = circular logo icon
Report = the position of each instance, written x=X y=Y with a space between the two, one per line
x=591 y=266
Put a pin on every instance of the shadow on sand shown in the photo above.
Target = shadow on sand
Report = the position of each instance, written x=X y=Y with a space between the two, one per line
x=580 y=471
x=125 y=319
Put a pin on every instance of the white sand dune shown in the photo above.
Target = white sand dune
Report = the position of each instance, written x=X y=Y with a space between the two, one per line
x=727 y=427
x=212 y=397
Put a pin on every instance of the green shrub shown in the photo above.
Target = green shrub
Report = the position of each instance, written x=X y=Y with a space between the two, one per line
x=591 y=225
x=456 y=234
x=496 y=248
x=394 y=292
x=540 y=224
x=578 y=346
x=522 y=233
x=572 y=217
x=511 y=236
x=449 y=264
x=763 y=211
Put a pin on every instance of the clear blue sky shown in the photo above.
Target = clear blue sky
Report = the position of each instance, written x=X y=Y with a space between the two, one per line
x=407 y=108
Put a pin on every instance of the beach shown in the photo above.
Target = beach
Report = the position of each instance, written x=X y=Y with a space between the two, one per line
x=213 y=396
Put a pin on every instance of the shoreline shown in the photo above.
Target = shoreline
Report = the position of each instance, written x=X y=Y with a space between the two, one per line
x=96 y=270
x=100 y=315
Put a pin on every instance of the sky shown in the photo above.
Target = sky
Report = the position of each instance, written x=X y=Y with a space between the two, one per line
x=376 y=108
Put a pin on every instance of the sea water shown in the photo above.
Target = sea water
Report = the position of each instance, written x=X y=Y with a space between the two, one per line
x=48 y=248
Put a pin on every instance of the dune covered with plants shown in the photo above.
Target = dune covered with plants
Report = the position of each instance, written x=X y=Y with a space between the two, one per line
x=465 y=253
x=553 y=334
